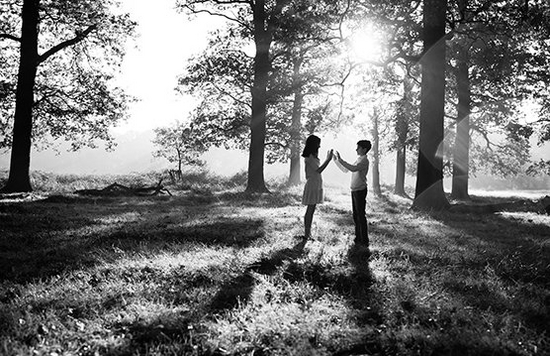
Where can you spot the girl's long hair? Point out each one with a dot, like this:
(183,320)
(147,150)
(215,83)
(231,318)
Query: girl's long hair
(312,146)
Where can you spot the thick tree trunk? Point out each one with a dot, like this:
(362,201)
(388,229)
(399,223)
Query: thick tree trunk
(429,183)
(19,180)
(262,39)
(296,126)
(462,141)
(376,155)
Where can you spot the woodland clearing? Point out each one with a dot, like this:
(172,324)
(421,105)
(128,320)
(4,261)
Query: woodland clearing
(213,271)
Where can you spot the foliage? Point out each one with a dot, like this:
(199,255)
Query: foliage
(507,51)
(304,59)
(75,95)
(180,144)
(222,78)
(541,167)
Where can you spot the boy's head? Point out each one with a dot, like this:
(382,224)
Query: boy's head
(364,145)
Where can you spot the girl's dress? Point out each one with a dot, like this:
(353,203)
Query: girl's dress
(313,190)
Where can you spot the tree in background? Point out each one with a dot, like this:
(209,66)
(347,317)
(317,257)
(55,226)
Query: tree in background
(405,130)
(307,65)
(259,19)
(179,144)
(536,17)
(300,87)
(65,90)
(491,64)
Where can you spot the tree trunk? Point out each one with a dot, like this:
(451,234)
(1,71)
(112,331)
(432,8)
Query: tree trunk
(400,164)
(296,126)
(19,179)
(462,141)
(262,39)
(461,155)
(376,155)
(429,193)
(402,131)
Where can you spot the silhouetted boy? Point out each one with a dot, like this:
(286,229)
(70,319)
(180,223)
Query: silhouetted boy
(359,171)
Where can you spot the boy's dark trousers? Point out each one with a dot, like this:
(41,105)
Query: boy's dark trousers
(359,202)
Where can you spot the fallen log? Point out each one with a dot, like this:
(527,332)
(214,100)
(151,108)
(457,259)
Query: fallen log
(116,189)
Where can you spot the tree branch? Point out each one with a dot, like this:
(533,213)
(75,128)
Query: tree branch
(79,37)
(212,13)
(9,37)
(274,143)
(233,97)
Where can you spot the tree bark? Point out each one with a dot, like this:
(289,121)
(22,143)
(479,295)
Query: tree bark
(262,39)
(462,142)
(429,193)
(376,155)
(461,155)
(400,164)
(296,126)
(402,130)
(19,179)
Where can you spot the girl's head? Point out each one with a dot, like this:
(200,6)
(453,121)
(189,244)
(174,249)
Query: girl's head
(312,146)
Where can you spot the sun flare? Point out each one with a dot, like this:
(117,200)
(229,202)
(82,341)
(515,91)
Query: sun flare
(366,44)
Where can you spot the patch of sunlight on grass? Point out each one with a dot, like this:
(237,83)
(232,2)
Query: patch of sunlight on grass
(528,217)
(119,218)
(381,269)
(192,258)
(288,317)
(523,194)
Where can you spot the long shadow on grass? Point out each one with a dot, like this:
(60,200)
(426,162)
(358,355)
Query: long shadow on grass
(352,280)
(512,249)
(60,234)
(518,253)
(238,289)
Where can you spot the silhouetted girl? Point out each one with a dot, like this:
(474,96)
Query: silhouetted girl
(313,190)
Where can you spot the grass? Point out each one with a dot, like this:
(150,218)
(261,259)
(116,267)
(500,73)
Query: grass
(212,271)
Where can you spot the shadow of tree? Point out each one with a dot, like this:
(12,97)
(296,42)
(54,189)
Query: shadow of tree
(58,234)
(517,258)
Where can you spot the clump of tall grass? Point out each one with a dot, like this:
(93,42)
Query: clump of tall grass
(66,183)
(206,181)
(199,181)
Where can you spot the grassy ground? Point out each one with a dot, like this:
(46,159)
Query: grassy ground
(211,271)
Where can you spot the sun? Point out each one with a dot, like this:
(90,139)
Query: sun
(366,44)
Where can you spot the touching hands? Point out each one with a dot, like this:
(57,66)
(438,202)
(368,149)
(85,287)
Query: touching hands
(336,155)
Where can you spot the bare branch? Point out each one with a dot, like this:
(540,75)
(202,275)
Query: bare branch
(233,97)
(212,13)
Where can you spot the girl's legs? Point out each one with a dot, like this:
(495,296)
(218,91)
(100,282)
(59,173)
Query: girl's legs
(308,220)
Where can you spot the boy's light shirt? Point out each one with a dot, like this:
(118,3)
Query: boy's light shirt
(359,177)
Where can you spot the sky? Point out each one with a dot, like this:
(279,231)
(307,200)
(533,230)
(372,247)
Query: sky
(166,39)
